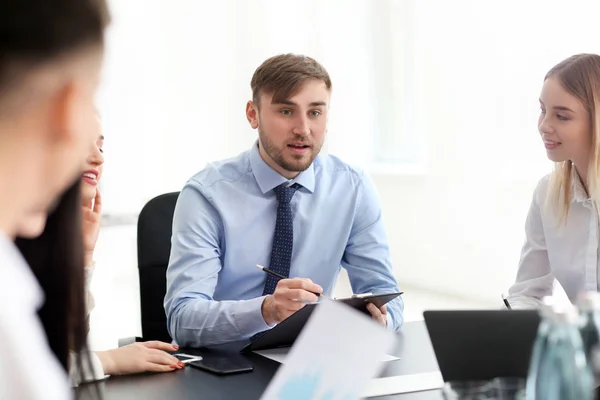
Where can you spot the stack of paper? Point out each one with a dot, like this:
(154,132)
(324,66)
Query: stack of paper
(338,352)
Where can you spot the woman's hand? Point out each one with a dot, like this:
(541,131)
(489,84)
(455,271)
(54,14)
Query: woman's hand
(139,357)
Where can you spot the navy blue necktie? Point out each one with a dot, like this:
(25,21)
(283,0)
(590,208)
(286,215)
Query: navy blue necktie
(283,239)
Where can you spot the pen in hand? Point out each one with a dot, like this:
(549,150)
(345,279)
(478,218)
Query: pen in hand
(506,303)
(278,275)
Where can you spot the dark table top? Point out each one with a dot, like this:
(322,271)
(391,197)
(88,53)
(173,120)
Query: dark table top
(413,348)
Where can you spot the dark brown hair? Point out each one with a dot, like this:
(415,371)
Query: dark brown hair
(56,259)
(283,74)
(35,32)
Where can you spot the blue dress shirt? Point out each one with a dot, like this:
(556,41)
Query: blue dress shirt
(223,226)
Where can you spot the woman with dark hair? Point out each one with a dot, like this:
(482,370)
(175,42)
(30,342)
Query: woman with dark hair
(44,246)
(59,248)
(50,60)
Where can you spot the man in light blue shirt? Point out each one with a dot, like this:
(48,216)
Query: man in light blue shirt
(281,205)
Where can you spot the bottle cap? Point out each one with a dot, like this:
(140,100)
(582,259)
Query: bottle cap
(567,313)
(588,301)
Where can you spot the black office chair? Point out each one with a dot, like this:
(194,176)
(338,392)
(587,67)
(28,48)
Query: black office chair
(153,249)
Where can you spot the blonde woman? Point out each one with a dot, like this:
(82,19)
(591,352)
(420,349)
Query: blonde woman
(562,224)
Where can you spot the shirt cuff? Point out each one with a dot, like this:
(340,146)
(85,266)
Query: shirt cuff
(250,320)
(88,274)
(89,299)
(389,321)
(96,373)
(523,303)
(98,369)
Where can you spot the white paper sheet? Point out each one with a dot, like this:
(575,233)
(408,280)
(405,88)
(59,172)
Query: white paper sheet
(336,355)
(280,355)
(404,384)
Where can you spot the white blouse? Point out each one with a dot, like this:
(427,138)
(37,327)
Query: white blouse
(567,251)
(28,368)
(77,376)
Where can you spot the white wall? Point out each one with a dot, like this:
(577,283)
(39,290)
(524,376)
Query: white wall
(476,68)
(479,67)
(178,73)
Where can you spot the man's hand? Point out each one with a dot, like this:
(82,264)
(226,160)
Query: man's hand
(139,357)
(289,297)
(91,217)
(378,314)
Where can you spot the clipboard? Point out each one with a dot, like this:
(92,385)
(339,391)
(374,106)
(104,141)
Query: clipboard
(285,333)
(360,301)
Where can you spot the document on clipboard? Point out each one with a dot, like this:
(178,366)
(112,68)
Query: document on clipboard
(285,333)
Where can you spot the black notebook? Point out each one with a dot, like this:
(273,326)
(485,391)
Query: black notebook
(285,333)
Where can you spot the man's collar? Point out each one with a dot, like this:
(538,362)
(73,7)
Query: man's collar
(267,178)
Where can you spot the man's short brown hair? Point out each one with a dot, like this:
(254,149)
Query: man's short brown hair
(283,74)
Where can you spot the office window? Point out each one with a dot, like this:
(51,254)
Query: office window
(176,82)
(367,47)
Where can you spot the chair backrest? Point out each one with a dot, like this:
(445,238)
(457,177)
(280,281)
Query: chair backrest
(154,246)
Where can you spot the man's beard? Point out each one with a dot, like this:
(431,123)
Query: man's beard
(277,154)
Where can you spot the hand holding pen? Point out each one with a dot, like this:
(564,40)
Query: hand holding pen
(505,301)
(290,296)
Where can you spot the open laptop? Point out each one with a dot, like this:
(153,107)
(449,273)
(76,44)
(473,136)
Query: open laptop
(482,344)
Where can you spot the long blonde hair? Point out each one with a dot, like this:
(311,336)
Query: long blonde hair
(580,76)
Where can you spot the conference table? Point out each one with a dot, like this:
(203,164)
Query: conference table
(413,347)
